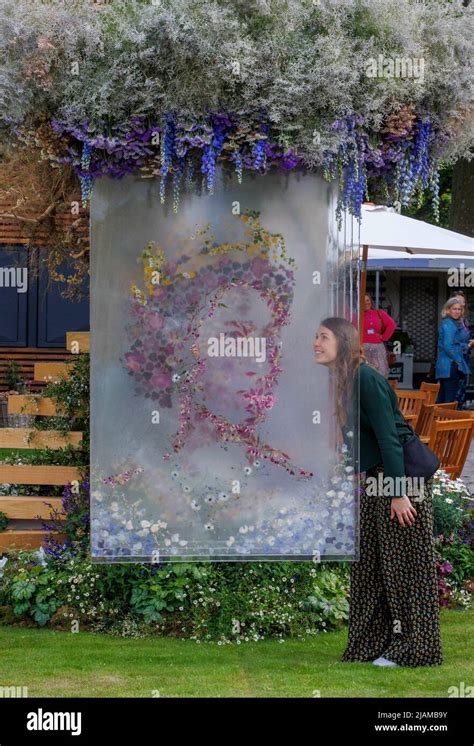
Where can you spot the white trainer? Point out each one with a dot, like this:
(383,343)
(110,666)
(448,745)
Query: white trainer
(383,662)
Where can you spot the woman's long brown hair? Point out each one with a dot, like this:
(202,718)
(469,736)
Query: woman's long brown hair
(349,356)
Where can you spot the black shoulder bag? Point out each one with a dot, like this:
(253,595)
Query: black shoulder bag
(420,461)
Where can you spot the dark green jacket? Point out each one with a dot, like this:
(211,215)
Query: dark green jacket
(382,426)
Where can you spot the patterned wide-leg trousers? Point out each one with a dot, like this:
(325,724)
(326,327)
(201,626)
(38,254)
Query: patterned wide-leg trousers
(393,603)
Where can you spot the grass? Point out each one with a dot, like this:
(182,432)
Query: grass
(62,664)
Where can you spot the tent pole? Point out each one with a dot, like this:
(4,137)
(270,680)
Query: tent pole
(363,285)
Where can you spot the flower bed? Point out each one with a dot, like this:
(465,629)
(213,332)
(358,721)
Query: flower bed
(224,602)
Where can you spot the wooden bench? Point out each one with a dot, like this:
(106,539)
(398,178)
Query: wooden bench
(32,508)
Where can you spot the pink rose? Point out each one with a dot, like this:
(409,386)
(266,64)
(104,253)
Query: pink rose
(134,361)
(161,379)
(259,267)
(155,321)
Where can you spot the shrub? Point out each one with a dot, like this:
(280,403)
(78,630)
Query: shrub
(227,602)
(451,502)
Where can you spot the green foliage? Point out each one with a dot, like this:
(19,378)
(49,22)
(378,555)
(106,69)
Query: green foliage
(423,209)
(451,501)
(13,375)
(229,602)
(3,521)
(32,593)
(67,456)
(71,396)
(460,557)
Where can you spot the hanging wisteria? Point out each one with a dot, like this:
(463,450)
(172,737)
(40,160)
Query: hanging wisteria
(401,160)
(398,162)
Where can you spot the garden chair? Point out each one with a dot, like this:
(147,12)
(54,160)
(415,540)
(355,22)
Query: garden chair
(450,439)
(410,403)
(433,389)
(427,416)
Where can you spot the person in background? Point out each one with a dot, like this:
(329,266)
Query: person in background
(394,617)
(464,319)
(453,349)
(378,328)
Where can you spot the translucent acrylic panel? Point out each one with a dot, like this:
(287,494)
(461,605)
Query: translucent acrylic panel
(213,427)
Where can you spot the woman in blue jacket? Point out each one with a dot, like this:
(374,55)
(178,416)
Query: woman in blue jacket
(464,319)
(453,345)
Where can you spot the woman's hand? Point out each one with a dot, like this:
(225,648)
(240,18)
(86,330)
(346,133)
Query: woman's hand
(402,508)
(471,342)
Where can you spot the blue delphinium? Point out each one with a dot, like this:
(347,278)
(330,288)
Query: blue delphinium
(166,153)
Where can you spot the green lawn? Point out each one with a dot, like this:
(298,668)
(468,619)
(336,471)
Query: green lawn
(54,663)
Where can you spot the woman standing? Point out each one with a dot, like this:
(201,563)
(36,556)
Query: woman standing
(464,319)
(453,349)
(394,608)
(378,328)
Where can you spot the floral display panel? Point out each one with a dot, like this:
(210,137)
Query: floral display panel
(213,428)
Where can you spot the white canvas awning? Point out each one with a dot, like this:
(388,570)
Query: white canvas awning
(382,228)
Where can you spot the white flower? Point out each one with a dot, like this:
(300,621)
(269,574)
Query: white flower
(41,557)
(186,488)
(247,470)
(176,378)
(195,505)
(155,527)
(145,524)
(209,499)
(129,525)
(243,529)
(3,562)
(448,500)
(209,527)
(223,496)
(114,507)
